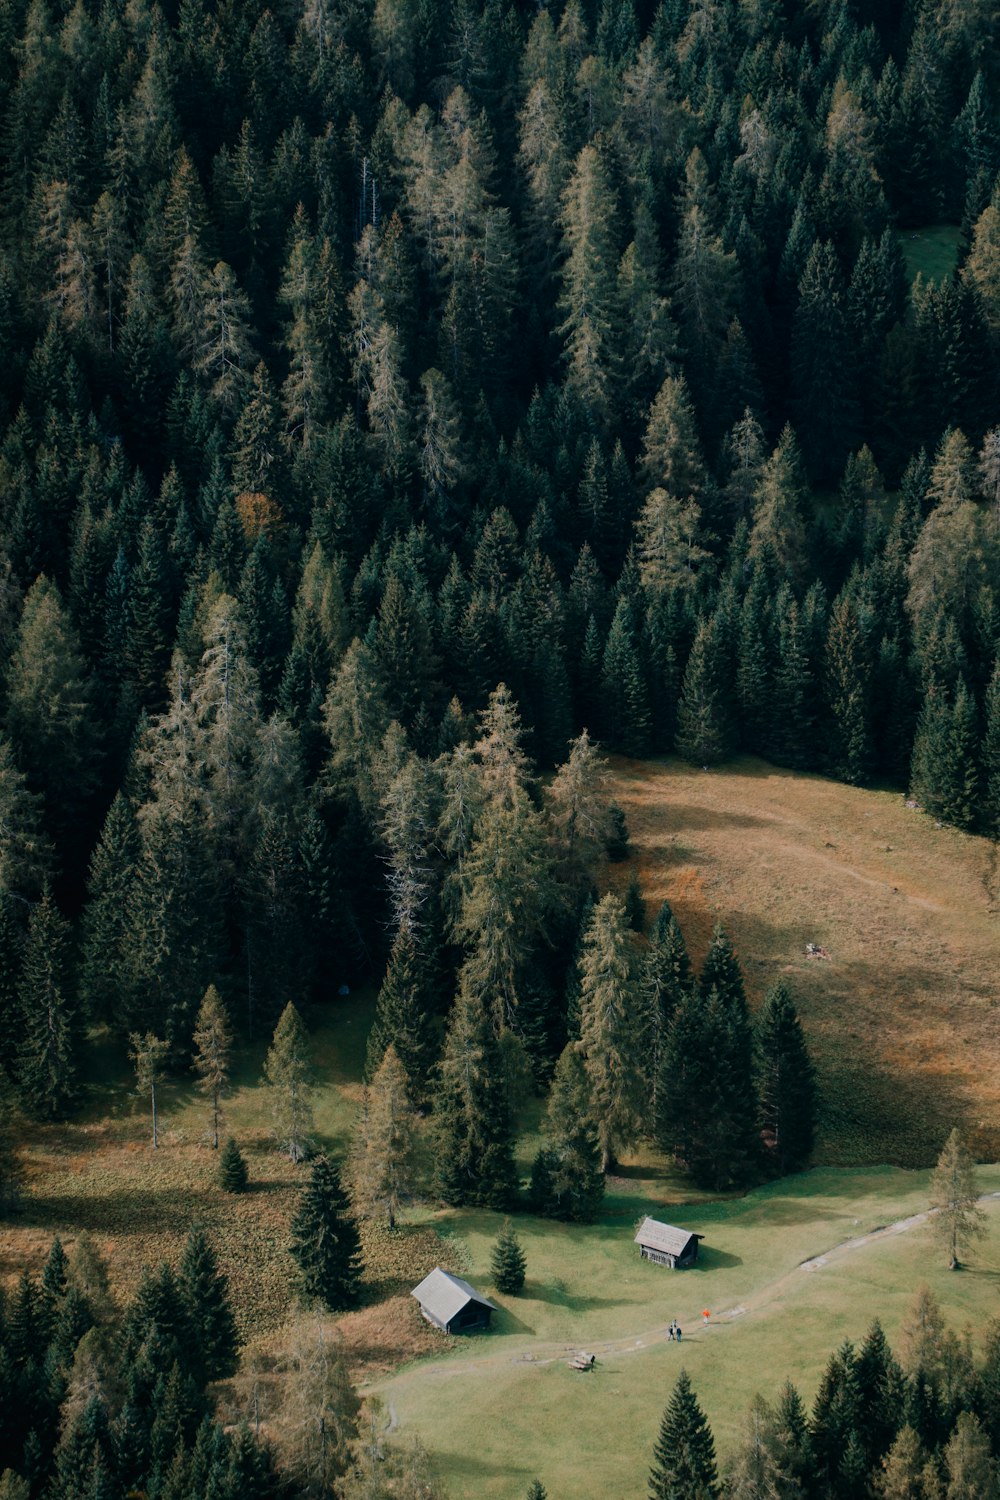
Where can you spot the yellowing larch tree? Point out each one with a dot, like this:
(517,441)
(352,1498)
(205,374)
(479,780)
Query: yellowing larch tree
(213,1044)
(383,1147)
(287,1072)
(958,1219)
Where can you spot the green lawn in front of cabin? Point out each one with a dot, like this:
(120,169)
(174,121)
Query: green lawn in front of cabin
(502,1408)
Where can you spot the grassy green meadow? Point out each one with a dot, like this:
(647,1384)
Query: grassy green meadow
(931,252)
(501,1408)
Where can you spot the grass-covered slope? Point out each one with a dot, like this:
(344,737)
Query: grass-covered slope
(902,1016)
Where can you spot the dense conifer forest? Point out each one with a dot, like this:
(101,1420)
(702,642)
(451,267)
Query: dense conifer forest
(402,403)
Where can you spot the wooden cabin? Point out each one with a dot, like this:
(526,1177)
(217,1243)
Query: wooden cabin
(451,1303)
(666,1245)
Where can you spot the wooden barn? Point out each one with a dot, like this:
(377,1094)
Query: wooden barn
(666,1245)
(451,1303)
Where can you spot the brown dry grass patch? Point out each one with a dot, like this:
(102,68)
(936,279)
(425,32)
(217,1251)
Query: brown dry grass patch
(903,1019)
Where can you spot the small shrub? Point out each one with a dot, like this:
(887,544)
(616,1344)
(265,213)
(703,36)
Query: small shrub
(507,1261)
(233,1176)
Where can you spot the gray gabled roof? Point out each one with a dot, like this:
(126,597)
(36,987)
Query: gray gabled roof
(664,1237)
(444,1295)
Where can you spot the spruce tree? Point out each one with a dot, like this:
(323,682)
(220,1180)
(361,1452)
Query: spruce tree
(474,1130)
(707,1107)
(507,1262)
(822,365)
(624,702)
(204,1295)
(608,1030)
(684,1453)
(881,1386)
(233,1176)
(46,1067)
(836,1414)
(704,722)
(786,1081)
(404,1014)
(325,1244)
(288,1074)
(721,971)
(848,675)
(105,958)
(664,978)
(567,1179)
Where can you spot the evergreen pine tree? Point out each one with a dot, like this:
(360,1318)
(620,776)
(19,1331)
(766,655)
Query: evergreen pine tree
(881,1386)
(822,365)
(704,726)
(473,1124)
(721,971)
(707,1107)
(105,959)
(507,1262)
(204,1295)
(684,1454)
(836,1413)
(635,906)
(404,1018)
(608,1030)
(46,1068)
(325,1244)
(665,977)
(786,1081)
(232,1175)
(567,1181)
(624,701)
(848,675)
(11,953)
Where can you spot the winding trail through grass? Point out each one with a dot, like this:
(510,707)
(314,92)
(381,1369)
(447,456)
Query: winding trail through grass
(549,1352)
